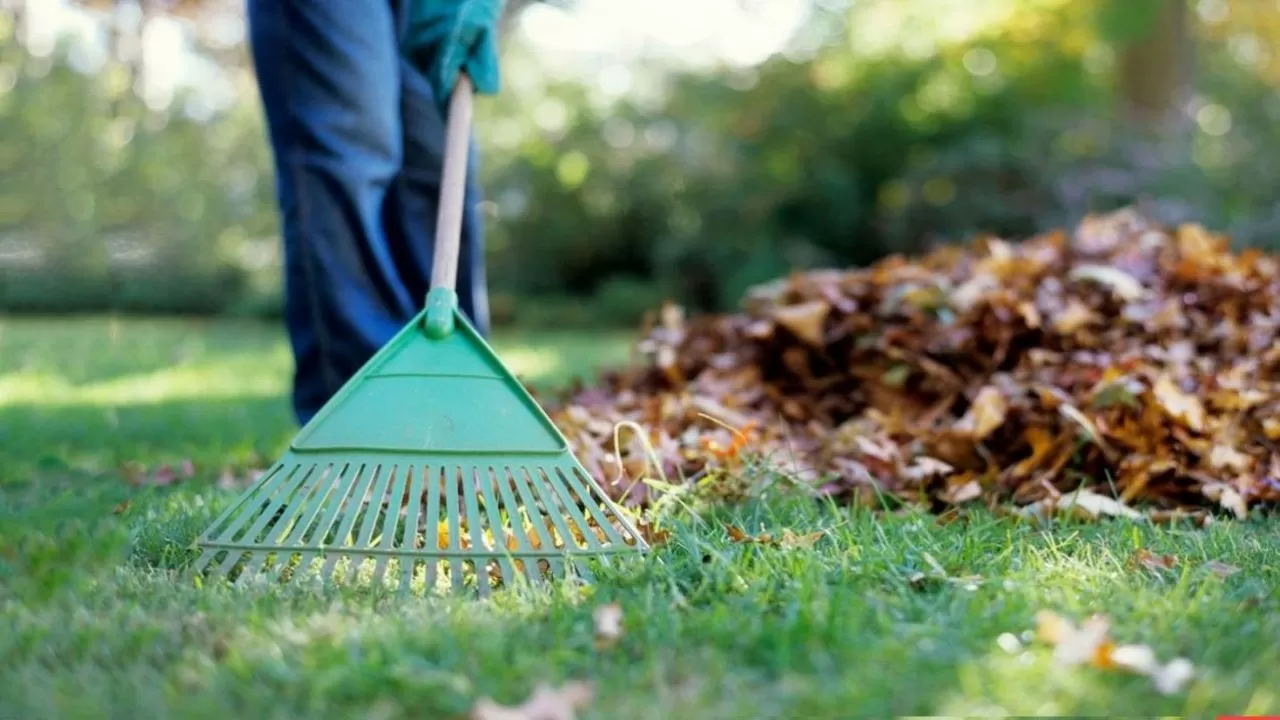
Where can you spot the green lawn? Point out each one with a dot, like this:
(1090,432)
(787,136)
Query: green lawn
(93,622)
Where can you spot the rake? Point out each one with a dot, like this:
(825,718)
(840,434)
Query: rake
(431,469)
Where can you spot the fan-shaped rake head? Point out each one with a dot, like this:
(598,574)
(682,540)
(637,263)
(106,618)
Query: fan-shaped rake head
(445,526)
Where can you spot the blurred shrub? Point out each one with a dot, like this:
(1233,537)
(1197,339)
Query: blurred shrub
(106,204)
(599,212)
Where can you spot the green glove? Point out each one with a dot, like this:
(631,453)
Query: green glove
(447,37)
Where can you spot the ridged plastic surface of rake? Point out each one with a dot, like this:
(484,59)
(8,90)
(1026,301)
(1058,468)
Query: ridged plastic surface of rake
(432,468)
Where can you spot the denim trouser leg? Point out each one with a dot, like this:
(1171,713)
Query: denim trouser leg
(358,141)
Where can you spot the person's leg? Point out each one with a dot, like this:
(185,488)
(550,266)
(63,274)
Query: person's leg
(414,199)
(329,78)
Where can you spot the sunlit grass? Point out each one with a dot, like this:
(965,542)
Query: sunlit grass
(97,621)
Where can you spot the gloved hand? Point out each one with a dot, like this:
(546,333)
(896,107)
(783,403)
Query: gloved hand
(446,37)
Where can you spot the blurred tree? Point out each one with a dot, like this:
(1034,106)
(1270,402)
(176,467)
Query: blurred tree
(1156,55)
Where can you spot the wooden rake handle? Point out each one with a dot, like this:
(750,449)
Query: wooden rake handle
(442,299)
(453,185)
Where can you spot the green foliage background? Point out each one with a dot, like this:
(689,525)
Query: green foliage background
(833,157)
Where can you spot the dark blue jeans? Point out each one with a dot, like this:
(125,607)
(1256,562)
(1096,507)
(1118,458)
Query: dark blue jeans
(358,141)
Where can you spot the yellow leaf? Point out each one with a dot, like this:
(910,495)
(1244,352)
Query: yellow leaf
(1225,457)
(1182,407)
(1091,644)
(987,413)
(1271,428)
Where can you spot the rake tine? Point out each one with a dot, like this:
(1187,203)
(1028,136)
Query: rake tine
(284,519)
(432,527)
(548,501)
(286,489)
(512,507)
(536,520)
(364,479)
(267,485)
(470,478)
(323,486)
(336,501)
(567,503)
(452,488)
(408,564)
(389,523)
(488,497)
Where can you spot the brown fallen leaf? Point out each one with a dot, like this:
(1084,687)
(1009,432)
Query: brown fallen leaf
(1074,316)
(1114,340)
(1180,406)
(1149,560)
(791,540)
(546,703)
(738,536)
(788,540)
(1225,457)
(987,413)
(959,494)
(804,320)
(653,535)
(1082,504)
(1227,497)
(1221,569)
(926,468)
(608,625)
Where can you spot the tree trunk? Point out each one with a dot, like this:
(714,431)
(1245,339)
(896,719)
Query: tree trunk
(1155,68)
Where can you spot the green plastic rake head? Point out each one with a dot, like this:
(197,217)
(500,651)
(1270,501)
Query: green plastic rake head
(431,469)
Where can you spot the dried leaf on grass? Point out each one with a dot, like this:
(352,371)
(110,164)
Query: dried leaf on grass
(607,620)
(788,539)
(1151,561)
(162,476)
(1221,569)
(938,574)
(1090,644)
(546,703)
(1081,504)
(1137,360)
(229,479)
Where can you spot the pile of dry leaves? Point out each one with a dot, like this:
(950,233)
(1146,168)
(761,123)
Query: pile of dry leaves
(1136,361)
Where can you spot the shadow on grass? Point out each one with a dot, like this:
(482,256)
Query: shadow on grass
(41,441)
